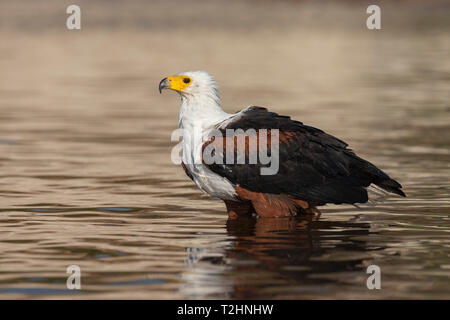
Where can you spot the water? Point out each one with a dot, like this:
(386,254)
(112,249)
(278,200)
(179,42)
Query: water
(85,170)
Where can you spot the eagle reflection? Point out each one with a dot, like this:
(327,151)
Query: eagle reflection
(275,257)
(292,241)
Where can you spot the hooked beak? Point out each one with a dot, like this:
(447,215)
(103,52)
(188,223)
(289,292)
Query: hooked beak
(164,84)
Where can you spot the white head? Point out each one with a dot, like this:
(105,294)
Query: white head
(193,86)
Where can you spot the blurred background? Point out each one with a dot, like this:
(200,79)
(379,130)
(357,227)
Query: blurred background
(85,170)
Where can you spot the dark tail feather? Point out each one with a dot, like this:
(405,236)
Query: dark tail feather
(392,186)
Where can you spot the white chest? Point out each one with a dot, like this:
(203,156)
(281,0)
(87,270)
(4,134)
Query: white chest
(208,181)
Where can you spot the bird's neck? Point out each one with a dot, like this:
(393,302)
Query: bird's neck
(201,111)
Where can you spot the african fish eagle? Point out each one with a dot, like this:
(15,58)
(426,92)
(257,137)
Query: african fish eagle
(314,167)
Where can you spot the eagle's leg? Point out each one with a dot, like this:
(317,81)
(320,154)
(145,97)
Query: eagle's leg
(238,208)
(312,211)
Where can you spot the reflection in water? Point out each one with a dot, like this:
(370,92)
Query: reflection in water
(292,241)
(290,251)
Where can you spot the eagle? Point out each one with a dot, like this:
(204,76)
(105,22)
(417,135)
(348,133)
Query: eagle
(312,168)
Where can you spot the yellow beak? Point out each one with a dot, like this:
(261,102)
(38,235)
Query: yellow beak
(177,83)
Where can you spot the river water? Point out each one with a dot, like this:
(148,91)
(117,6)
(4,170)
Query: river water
(86,177)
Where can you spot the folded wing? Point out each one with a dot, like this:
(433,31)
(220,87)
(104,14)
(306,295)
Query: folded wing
(313,165)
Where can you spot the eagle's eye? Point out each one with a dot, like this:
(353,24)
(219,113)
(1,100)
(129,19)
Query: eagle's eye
(186,80)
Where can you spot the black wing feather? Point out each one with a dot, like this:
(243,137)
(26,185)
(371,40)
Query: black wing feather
(313,165)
